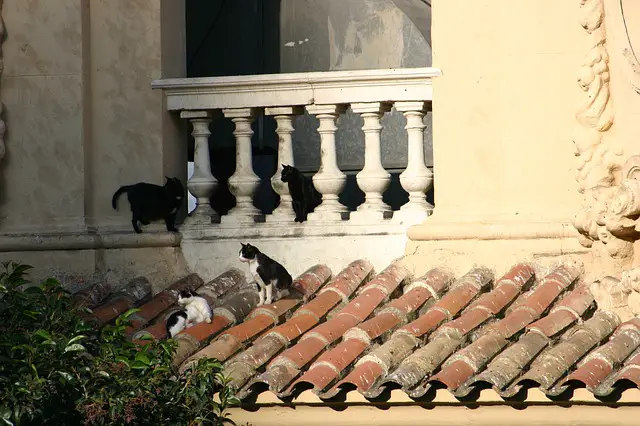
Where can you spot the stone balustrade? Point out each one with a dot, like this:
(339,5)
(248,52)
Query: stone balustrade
(327,95)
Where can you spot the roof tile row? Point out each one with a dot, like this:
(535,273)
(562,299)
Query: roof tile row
(376,333)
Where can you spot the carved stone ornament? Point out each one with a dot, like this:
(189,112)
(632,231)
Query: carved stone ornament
(619,295)
(599,159)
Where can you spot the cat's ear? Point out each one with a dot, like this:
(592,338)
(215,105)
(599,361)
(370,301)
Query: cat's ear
(167,178)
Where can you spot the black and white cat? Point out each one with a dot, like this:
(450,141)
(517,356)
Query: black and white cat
(195,310)
(176,322)
(152,202)
(270,276)
(297,189)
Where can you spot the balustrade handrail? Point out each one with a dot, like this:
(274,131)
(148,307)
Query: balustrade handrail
(274,90)
(326,95)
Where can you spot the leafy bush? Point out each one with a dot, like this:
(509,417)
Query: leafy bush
(56,368)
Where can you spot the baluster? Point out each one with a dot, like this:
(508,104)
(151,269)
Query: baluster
(284,119)
(244,182)
(417,178)
(329,181)
(373,179)
(202,183)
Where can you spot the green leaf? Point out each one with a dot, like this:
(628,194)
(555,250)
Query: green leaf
(103,373)
(68,377)
(76,347)
(142,358)
(44,334)
(137,365)
(146,336)
(76,339)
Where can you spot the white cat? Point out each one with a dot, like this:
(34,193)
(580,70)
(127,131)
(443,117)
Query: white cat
(196,307)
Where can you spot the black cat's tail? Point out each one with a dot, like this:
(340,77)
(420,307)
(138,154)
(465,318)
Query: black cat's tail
(118,193)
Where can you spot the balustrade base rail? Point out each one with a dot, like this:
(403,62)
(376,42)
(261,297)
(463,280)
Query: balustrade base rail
(326,95)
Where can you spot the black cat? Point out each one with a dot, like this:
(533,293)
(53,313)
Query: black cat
(153,202)
(267,273)
(297,189)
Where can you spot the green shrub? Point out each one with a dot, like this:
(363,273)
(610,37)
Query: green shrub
(56,368)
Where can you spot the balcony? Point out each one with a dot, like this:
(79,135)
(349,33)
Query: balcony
(326,95)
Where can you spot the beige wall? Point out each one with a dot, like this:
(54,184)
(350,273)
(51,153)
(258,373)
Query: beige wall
(503,120)
(623,33)
(133,139)
(503,108)
(409,415)
(42,89)
(78,98)
(82,120)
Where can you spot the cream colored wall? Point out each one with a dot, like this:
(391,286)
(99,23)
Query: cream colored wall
(78,99)
(131,138)
(623,36)
(504,164)
(503,108)
(82,120)
(409,415)
(42,184)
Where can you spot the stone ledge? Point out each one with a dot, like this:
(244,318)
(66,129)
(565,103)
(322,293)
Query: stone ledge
(292,230)
(439,231)
(63,241)
(332,87)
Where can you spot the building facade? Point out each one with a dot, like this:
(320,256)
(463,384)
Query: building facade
(520,133)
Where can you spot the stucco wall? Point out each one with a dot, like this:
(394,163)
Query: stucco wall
(505,107)
(622,22)
(77,93)
(42,89)
(504,116)
(82,119)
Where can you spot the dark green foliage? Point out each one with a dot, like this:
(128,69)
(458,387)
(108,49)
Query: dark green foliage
(57,369)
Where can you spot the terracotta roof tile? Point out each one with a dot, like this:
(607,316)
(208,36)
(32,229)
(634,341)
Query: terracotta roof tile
(136,292)
(553,363)
(243,367)
(601,362)
(628,374)
(92,296)
(510,363)
(372,335)
(229,281)
(356,340)
(402,342)
(263,317)
(161,301)
(449,337)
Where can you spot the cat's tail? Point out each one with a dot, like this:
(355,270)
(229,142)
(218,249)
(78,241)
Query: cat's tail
(118,193)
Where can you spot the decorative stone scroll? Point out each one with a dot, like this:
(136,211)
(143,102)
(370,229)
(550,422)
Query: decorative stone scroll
(598,159)
(619,295)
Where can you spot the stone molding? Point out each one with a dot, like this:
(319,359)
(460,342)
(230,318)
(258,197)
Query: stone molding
(477,230)
(291,230)
(598,159)
(285,90)
(66,241)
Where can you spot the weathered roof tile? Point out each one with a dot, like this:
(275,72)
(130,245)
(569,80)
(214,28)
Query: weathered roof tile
(339,289)
(355,332)
(136,292)
(601,362)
